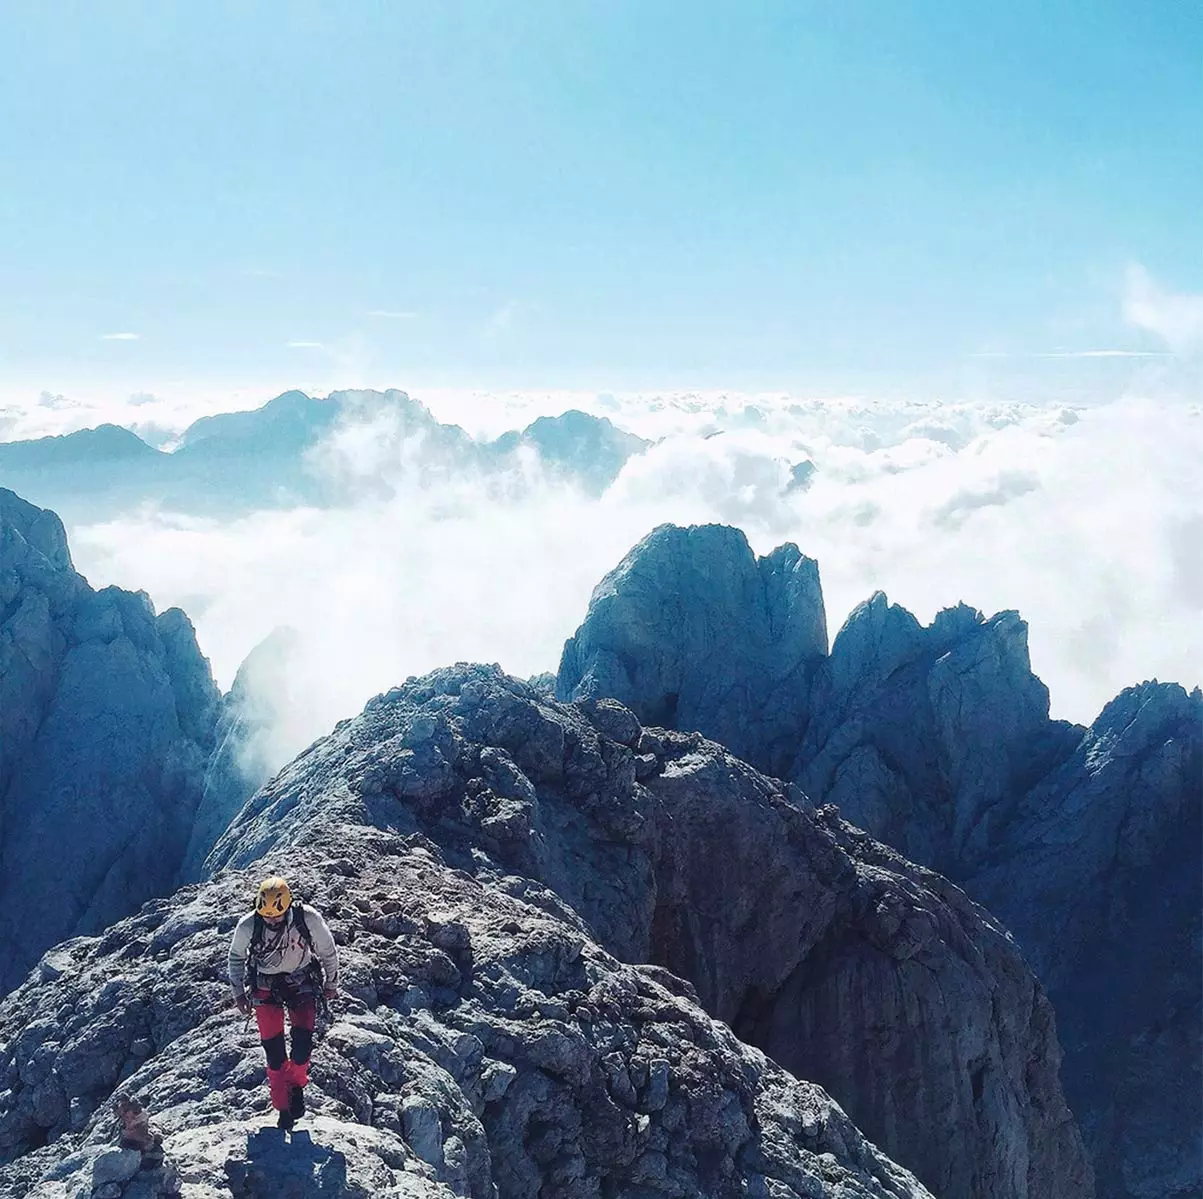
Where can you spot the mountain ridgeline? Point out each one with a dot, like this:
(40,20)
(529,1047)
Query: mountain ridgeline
(573,927)
(286,454)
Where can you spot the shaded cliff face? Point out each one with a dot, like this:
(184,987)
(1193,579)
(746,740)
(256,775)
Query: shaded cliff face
(846,963)
(927,736)
(1083,842)
(106,721)
(1110,843)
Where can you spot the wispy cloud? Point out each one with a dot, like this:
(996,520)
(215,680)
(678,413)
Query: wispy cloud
(120,336)
(501,320)
(1073,354)
(390,314)
(1104,354)
(1175,317)
(304,345)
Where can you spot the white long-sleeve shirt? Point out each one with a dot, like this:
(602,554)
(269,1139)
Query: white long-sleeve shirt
(282,949)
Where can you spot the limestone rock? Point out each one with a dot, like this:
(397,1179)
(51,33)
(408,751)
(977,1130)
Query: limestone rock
(115,1165)
(106,722)
(1110,843)
(925,736)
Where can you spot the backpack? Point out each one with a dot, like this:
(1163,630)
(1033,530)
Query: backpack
(260,930)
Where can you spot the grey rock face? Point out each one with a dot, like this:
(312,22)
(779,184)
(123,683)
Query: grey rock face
(106,719)
(1085,843)
(937,740)
(486,1045)
(847,964)
(691,630)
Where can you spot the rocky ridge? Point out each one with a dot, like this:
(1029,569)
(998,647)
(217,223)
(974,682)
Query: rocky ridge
(488,858)
(107,713)
(487,1045)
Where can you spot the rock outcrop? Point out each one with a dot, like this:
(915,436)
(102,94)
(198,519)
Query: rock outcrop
(937,740)
(486,1046)
(693,631)
(106,722)
(927,737)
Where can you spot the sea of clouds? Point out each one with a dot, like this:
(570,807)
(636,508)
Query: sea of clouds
(1088,520)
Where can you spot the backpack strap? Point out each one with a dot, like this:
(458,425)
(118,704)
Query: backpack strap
(252,953)
(299,920)
(260,931)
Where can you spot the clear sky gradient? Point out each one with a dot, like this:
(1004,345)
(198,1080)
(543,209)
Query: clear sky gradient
(833,195)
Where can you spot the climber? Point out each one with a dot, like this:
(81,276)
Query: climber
(283,956)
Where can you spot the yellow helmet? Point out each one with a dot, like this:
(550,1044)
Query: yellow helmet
(273,898)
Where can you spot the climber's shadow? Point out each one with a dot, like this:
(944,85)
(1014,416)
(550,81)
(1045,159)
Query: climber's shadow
(282,1165)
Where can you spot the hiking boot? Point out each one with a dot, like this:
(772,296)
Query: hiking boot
(285,1121)
(296,1104)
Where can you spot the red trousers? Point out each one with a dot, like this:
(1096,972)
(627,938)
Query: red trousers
(285,1071)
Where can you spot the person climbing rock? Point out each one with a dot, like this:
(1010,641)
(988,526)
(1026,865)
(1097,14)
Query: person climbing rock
(283,957)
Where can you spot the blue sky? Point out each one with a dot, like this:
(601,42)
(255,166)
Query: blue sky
(824,196)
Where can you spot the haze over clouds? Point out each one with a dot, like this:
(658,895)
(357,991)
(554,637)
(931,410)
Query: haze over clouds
(1088,522)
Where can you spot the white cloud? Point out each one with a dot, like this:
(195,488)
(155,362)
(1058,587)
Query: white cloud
(120,336)
(1084,520)
(1175,317)
(1073,354)
(56,402)
(304,345)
